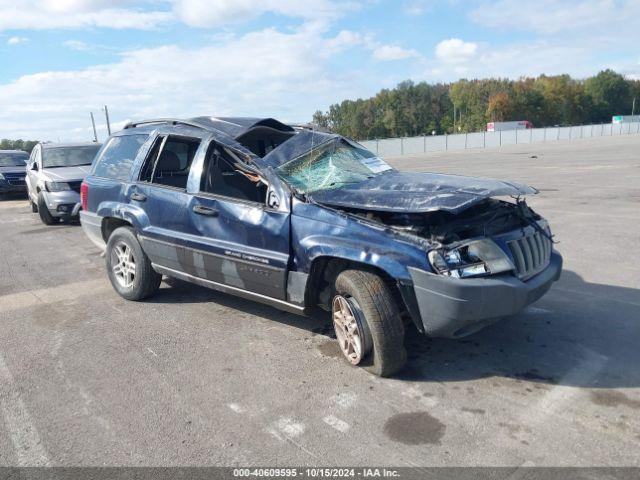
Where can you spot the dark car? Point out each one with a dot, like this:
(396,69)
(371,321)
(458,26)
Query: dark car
(12,171)
(297,218)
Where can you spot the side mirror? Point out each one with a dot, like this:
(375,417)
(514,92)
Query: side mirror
(272,200)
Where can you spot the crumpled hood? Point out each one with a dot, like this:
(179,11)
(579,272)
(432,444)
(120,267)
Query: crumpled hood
(66,174)
(419,192)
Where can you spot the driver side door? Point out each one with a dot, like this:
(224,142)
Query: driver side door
(238,240)
(31,178)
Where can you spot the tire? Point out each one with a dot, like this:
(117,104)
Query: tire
(43,211)
(378,314)
(34,207)
(145,281)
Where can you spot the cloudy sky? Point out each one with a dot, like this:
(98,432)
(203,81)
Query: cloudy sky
(61,59)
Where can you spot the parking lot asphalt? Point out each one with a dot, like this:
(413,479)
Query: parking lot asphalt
(196,377)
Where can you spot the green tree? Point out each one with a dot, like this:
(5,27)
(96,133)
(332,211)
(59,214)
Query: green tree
(610,93)
(499,107)
(420,108)
(26,145)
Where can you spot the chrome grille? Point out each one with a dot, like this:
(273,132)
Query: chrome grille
(531,254)
(14,178)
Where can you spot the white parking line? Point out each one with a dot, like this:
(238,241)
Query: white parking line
(289,428)
(336,423)
(578,377)
(68,291)
(24,436)
(235,407)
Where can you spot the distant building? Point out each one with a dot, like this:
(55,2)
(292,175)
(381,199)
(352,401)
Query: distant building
(625,118)
(517,125)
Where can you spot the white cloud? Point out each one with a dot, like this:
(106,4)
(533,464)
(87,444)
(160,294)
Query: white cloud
(393,52)
(558,16)
(77,45)
(213,13)
(455,50)
(528,59)
(349,39)
(17,40)
(264,72)
(346,39)
(417,7)
(48,14)
(149,14)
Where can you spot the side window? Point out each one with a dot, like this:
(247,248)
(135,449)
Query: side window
(32,157)
(37,156)
(169,161)
(117,157)
(223,178)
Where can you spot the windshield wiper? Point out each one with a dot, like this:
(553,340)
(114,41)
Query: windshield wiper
(67,166)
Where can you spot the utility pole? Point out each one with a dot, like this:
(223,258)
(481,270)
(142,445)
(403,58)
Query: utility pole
(106,114)
(633,107)
(93,123)
(454,118)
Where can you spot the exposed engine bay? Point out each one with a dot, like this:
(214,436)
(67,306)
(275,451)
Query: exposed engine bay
(487,218)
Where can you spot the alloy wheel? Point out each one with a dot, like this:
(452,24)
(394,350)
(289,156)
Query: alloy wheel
(351,333)
(123,265)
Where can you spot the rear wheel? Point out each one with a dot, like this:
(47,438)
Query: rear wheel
(43,211)
(367,323)
(129,268)
(34,207)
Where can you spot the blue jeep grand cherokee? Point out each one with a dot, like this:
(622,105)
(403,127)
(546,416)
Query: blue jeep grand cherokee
(297,218)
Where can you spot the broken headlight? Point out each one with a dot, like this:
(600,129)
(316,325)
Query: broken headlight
(472,259)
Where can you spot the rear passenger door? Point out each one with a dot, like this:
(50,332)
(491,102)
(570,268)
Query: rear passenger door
(161,191)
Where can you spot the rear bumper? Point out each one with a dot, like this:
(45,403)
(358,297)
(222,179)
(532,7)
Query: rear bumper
(62,204)
(451,307)
(92,227)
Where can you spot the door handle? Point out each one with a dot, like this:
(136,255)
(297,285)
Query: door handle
(138,197)
(209,212)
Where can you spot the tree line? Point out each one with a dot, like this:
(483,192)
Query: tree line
(26,145)
(422,108)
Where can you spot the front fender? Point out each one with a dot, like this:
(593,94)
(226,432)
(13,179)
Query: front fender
(40,184)
(393,263)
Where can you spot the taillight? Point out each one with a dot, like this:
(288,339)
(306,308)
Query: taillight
(84,196)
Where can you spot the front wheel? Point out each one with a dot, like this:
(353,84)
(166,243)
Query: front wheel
(129,268)
(367,323)
(43,211)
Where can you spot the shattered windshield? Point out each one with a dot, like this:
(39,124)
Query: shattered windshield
(331,165)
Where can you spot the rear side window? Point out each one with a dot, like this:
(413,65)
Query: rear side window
(169,161)
(118,155)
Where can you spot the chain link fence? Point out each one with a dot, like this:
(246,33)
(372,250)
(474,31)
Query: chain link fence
(435,143)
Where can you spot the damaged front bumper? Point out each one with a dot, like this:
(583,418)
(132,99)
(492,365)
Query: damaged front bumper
(452,307)
(65,204)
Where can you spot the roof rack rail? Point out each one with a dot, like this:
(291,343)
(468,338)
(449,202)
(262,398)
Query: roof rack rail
(173,121)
